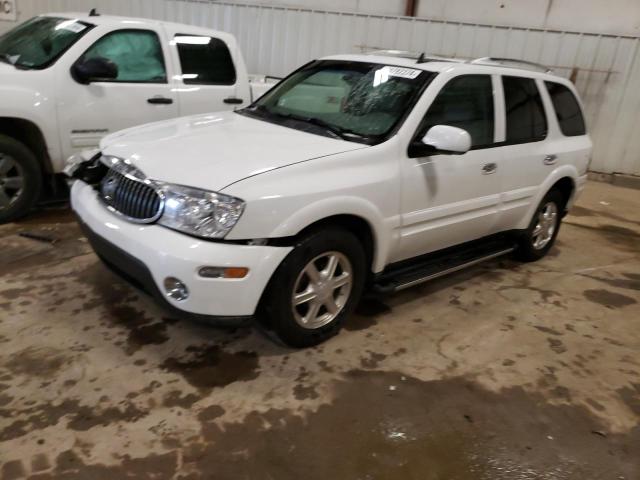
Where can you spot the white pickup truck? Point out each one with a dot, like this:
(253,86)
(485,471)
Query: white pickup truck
(67,80)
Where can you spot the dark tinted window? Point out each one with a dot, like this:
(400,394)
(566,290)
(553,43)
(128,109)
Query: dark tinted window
(465,102)
(526,121)
(567,109)
(205,61)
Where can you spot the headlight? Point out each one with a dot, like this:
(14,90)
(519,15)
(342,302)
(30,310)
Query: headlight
(199,212)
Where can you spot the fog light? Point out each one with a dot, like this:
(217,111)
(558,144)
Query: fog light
(176,289)
(223,272)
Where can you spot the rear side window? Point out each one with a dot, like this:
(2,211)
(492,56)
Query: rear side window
(465,102)
(567,109)
(205,60)
(526,120)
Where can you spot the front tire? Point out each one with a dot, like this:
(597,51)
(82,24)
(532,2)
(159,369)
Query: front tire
(538,239)
(20,179)
(317,286)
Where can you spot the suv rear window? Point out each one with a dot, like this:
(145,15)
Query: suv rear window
(205,60)
(567,109)
(526,120)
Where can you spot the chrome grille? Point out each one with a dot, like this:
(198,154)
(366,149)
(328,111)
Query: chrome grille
(131,197)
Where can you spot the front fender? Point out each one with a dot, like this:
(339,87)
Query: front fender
(342,205)
(37,107)
(363,183)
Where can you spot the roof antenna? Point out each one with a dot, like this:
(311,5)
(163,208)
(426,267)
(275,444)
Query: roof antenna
(421,58)
(94,13)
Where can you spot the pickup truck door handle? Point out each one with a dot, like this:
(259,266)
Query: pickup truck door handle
(160,100)
(489,168)
(233,100)
(550,159)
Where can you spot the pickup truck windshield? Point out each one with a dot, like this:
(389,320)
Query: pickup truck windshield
(39,42)
(356,101)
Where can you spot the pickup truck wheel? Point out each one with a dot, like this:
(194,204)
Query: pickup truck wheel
(316,287)
(543,230)
(20,179)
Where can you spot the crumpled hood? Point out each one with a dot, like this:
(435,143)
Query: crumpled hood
(212,151)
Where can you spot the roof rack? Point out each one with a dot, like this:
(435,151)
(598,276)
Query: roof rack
(511,63)
(418,57)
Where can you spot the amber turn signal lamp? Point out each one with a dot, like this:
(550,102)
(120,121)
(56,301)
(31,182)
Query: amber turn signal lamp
(223,272)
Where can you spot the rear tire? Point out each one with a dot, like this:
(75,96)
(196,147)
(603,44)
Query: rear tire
(20,179)
(538,239)
(316,287)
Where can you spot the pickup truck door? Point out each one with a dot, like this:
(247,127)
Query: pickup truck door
(451,199)
(210,74)
(140,94)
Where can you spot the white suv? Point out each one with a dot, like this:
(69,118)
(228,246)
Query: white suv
(356,171)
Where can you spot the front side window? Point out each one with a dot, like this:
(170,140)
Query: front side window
(465,102)
(39,42)
(357,101)
(205,61)
(137,54)
(526,120)
(567,109)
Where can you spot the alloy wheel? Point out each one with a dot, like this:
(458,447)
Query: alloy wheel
(11,181)
(322,290)
(546,226)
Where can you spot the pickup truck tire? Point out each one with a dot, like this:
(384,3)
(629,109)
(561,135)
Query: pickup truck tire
(538,239)
(316,287)
(20,179)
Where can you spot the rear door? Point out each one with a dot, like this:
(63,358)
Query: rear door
(527,156)
(207,78)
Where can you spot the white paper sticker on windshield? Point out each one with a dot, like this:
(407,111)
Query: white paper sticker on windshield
(403,72)
(72,26)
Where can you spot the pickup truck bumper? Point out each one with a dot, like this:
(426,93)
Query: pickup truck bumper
(145,255)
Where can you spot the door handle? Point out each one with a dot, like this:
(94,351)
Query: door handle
(233,100)
(489,168)
(160,101)
(550,159)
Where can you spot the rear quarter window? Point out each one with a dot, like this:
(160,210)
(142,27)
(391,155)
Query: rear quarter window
(567,110)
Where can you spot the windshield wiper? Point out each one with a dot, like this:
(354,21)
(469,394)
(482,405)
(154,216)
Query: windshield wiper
(337,131)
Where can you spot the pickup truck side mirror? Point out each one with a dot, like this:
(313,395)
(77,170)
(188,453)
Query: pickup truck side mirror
(94,70)
(439,140)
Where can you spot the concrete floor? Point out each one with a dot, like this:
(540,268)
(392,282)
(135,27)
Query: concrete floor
(505,371)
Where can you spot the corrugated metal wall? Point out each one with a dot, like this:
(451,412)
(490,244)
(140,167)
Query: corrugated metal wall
(275,40)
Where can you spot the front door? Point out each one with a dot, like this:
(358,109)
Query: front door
(140,94)
(451,199)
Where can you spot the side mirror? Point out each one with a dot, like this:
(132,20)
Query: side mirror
(94,70)
(441,139)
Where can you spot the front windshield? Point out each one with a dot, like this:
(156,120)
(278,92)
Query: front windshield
(356,101)
(39,42)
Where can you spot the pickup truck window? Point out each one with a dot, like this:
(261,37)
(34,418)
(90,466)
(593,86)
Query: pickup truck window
(39,42)
(526,120)
(357,101)
(567,109)
(137,53)
(205,60)
(465,102)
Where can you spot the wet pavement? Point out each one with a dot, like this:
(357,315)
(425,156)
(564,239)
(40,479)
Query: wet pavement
(504,371)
